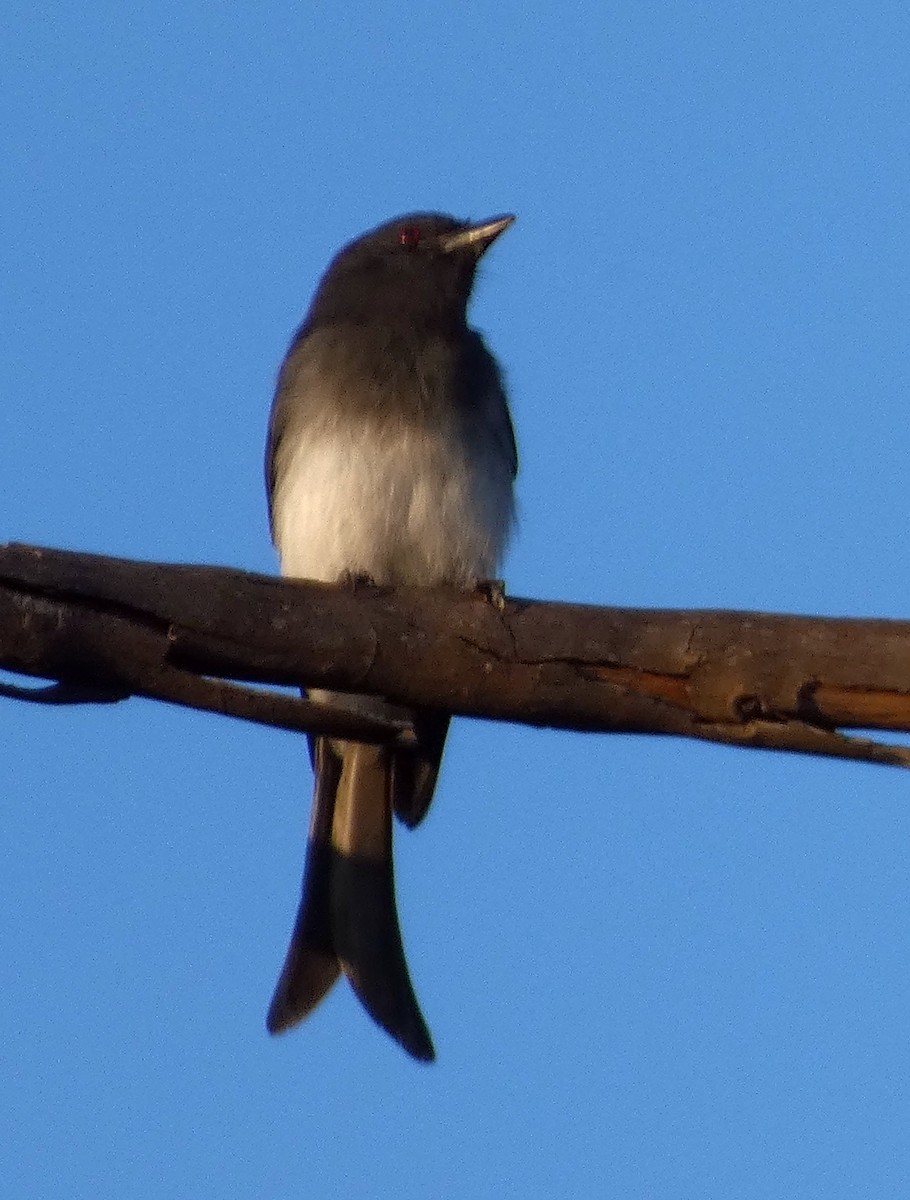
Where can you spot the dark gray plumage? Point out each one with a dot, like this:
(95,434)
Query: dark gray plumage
(390,455)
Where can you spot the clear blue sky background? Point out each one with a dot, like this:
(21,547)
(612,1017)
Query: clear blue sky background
(652,968)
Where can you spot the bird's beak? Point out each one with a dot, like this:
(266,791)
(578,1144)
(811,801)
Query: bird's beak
(476,237)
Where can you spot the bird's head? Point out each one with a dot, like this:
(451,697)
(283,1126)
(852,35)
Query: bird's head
(419,266)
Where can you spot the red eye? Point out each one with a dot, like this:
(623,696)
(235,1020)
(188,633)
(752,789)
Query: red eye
(409,237)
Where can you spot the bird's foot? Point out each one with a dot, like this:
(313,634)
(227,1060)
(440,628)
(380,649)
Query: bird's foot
(493,591)
(352,580)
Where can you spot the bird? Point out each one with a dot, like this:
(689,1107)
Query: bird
(390,458)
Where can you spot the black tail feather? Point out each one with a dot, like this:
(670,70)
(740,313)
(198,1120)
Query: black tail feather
(348,919)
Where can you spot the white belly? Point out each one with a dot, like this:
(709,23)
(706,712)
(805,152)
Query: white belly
(407,508)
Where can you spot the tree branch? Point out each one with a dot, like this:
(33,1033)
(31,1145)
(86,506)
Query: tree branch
(107,628)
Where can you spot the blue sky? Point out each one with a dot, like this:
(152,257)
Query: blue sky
(652,968)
